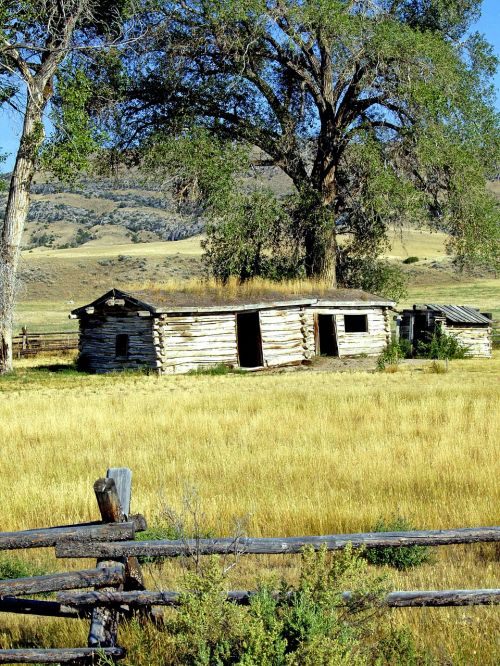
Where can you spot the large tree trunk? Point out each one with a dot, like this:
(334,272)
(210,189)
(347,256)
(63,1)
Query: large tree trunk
(16,213)
(320,238)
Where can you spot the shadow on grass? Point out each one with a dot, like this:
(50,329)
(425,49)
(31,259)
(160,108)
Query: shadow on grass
(59,368)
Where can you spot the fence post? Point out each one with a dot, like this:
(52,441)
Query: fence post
(113,497)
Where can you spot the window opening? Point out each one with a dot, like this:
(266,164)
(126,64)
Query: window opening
(356,323)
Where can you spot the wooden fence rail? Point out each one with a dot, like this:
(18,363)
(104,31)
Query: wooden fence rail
(84,601)
(118,583)
(277,546)
(30,344)
(49,536)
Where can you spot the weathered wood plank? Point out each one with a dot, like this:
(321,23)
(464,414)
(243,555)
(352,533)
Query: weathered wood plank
(48,537)
(413,599)
(122,477)
(108,500)
(59,656)
(113,495)
(438,598)
(64,581)
(276,546)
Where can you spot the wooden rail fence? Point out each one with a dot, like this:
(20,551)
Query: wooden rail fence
(118,584)
(31,344)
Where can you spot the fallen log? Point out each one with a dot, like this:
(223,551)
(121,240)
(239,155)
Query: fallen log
(277,546)
(49,536)
(58,656)
(417,598)
(69,580)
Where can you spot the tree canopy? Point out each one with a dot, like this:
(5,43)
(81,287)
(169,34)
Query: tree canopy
(380,112)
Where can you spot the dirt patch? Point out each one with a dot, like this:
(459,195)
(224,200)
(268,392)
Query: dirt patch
(331,364)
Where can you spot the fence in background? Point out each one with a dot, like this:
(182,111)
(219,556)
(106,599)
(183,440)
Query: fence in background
(31,344)
(119,584)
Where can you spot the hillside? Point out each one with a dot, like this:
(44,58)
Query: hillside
(103,233)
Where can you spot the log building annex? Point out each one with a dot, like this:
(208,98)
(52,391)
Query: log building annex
(182,331)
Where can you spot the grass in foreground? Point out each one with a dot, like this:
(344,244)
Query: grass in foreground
(300,453)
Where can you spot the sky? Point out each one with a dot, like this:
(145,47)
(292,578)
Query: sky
(489,25)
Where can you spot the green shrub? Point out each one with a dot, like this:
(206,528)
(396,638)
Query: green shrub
(15,567)
(395,351)
(308,624)
(442,346)
(411,260)
(404,557)
(438,368)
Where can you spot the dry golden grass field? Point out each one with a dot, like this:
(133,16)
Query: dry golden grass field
(292,453)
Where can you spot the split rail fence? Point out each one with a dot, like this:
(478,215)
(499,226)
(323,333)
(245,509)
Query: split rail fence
(31,344)
(118,582)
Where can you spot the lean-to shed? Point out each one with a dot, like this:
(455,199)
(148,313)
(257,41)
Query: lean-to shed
(471,327)
(174,332)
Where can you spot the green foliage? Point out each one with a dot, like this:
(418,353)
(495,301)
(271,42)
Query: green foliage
(402,128)
(307,625)
(442,346)
(411,260)
(405,557)
(15,567)
(395,351)
(371,274)
(201,170)
(74,139)
(252,238)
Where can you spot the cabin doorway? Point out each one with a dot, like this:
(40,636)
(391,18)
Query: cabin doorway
(327,336)
(249,340)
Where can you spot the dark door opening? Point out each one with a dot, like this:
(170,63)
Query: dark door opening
(327,336)
(249,339)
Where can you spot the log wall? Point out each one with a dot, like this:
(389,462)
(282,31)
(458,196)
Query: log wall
(284,336)
(191,342)
(175,343)
(371,343)
(97,343)
(476,339)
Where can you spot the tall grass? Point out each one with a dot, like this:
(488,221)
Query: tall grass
(300,453)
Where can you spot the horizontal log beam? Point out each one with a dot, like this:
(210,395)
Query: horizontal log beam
(42,608)
(70,580)
(277,546)
(58,656)
(48,536)
(443,598)
(414,599)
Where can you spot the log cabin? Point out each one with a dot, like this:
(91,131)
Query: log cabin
(468,325)
(176,332)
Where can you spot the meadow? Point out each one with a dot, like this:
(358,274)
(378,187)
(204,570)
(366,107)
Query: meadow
(282,454)
(275,453)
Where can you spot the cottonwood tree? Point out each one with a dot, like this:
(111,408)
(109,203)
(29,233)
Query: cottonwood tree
(37,37)
(380,112)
